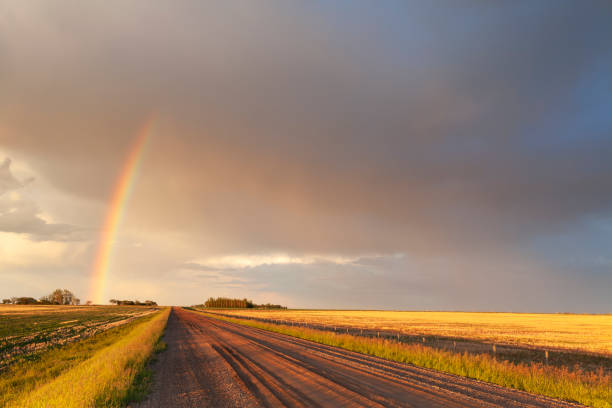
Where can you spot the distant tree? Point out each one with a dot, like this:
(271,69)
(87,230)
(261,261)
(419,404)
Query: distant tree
(26,301)
(77,301)
(61,297)
(227,303)
(67,297)
(56,297)
(6,301)
(89,303)
(271,306)
(45,300)
(133,302)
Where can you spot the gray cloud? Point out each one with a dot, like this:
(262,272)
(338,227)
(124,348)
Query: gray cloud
(22,216)
(8,182)
(463,131)
(406,282)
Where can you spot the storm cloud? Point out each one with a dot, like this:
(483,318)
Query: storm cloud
(472,139)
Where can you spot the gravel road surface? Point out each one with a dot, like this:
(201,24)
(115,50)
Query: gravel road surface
(211,363)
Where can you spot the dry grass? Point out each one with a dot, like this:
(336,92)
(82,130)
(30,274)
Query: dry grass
(590,333)
(586,388)
(109,371)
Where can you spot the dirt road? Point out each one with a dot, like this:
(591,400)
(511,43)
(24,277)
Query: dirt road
(218,364)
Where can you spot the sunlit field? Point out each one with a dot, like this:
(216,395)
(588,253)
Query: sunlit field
(590,333)
(592,389)
(25,330)
(105,369)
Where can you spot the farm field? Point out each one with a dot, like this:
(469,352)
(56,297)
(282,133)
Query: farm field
(573,332)
(25,330)
(105,369)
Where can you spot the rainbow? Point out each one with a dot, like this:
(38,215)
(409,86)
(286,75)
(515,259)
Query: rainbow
(116,210)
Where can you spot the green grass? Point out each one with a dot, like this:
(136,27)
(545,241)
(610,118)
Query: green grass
(109,369)
(593,389)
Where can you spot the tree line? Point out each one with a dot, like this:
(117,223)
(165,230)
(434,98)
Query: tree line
(133,302)
(229,303)
(66,297)
(57,297)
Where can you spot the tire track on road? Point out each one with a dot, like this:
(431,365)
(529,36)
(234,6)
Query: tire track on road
(412,375)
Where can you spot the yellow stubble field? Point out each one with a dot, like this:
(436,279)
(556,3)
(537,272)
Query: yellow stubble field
(590,333)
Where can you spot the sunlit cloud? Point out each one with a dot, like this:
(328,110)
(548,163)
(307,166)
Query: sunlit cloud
(251,261)
(18,250)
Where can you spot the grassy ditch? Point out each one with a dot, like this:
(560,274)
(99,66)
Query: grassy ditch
(593,389)
(108,370)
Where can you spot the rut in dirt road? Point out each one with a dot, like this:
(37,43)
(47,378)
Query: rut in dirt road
(211,363)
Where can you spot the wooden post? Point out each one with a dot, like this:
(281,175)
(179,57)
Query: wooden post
(494,349)
(423,340)
(454,344)
(546,355)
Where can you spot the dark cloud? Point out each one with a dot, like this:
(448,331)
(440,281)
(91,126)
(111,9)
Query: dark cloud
(464,130)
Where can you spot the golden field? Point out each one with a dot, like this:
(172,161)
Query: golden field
(590,333)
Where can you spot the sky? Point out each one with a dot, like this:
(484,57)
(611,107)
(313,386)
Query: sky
(415,155)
